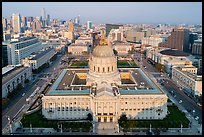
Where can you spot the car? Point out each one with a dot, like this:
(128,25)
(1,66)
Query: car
(23,94)
(196,118)
(180,101)
(199,104)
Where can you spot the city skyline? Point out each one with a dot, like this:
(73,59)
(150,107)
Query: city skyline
(126,12)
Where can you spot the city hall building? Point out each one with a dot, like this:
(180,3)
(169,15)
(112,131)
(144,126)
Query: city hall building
(104,91)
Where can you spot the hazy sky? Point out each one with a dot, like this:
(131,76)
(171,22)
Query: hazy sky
(111,12)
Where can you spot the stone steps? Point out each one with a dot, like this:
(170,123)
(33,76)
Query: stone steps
(106,128)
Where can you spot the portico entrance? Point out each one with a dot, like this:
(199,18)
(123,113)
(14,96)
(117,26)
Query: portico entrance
(106,119)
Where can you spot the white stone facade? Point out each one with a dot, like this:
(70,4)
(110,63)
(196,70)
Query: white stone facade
(18,76)
(187,78)
(105,108)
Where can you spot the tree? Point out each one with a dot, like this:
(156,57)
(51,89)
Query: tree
(84,52)
(89,117)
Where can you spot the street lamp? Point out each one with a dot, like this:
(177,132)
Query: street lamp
(10,123)
(193,112)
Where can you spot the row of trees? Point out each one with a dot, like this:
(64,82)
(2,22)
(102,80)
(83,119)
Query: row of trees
(39,121)
(45,65)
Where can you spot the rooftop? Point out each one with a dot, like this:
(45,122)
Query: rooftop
(191,75)
(7,69)
(13,73)
(42,54)
(173,52)
(64,84)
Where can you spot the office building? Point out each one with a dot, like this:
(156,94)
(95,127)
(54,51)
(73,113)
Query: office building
(24,21)
(116,35)
(43,14)
(122,48)
(111,26)
(24,47)
(197,47)
(187,78)
(36,26)
(39,59)
(4,24)
(153,40)
(179,39)
(16,23)
(78,49)
(89,25)
(6,54)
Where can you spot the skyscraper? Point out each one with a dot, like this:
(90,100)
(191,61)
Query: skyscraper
(78,19)
(36,26)
(4,23)
(70,26)
(89,25)
(24,21)
(48,19)
(16,23)
(43,14)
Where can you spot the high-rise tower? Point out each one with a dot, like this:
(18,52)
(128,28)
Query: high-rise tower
(16,23)
(70,26)
(43,14)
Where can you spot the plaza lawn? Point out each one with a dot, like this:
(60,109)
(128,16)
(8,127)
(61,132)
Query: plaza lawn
(37,121)
(79,64)
(126,64)
(173,120)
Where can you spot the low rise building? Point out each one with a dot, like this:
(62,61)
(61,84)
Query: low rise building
(78,49)
(84,40)
(187,78)
(171,62)
(39,59)
(152,40)
(122,47)
(12,76)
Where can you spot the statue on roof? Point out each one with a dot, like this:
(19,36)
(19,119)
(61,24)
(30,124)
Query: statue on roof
(103,40)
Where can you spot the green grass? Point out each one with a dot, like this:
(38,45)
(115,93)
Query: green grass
(173,120)
(79,64)
(124,63)
(37,121)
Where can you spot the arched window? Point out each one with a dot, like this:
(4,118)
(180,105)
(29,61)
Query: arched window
(103,69)
(94,68)
(108,69)
(98,69)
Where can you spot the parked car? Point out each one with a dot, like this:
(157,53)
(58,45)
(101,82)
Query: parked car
(196,118)
(23,94)
(180,101)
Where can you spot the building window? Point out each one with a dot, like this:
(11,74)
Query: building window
(103,69)
(108,69)
(94,68)
(98,69)
(112,68)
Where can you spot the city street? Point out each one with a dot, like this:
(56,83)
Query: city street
(169,86)
(18,103)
